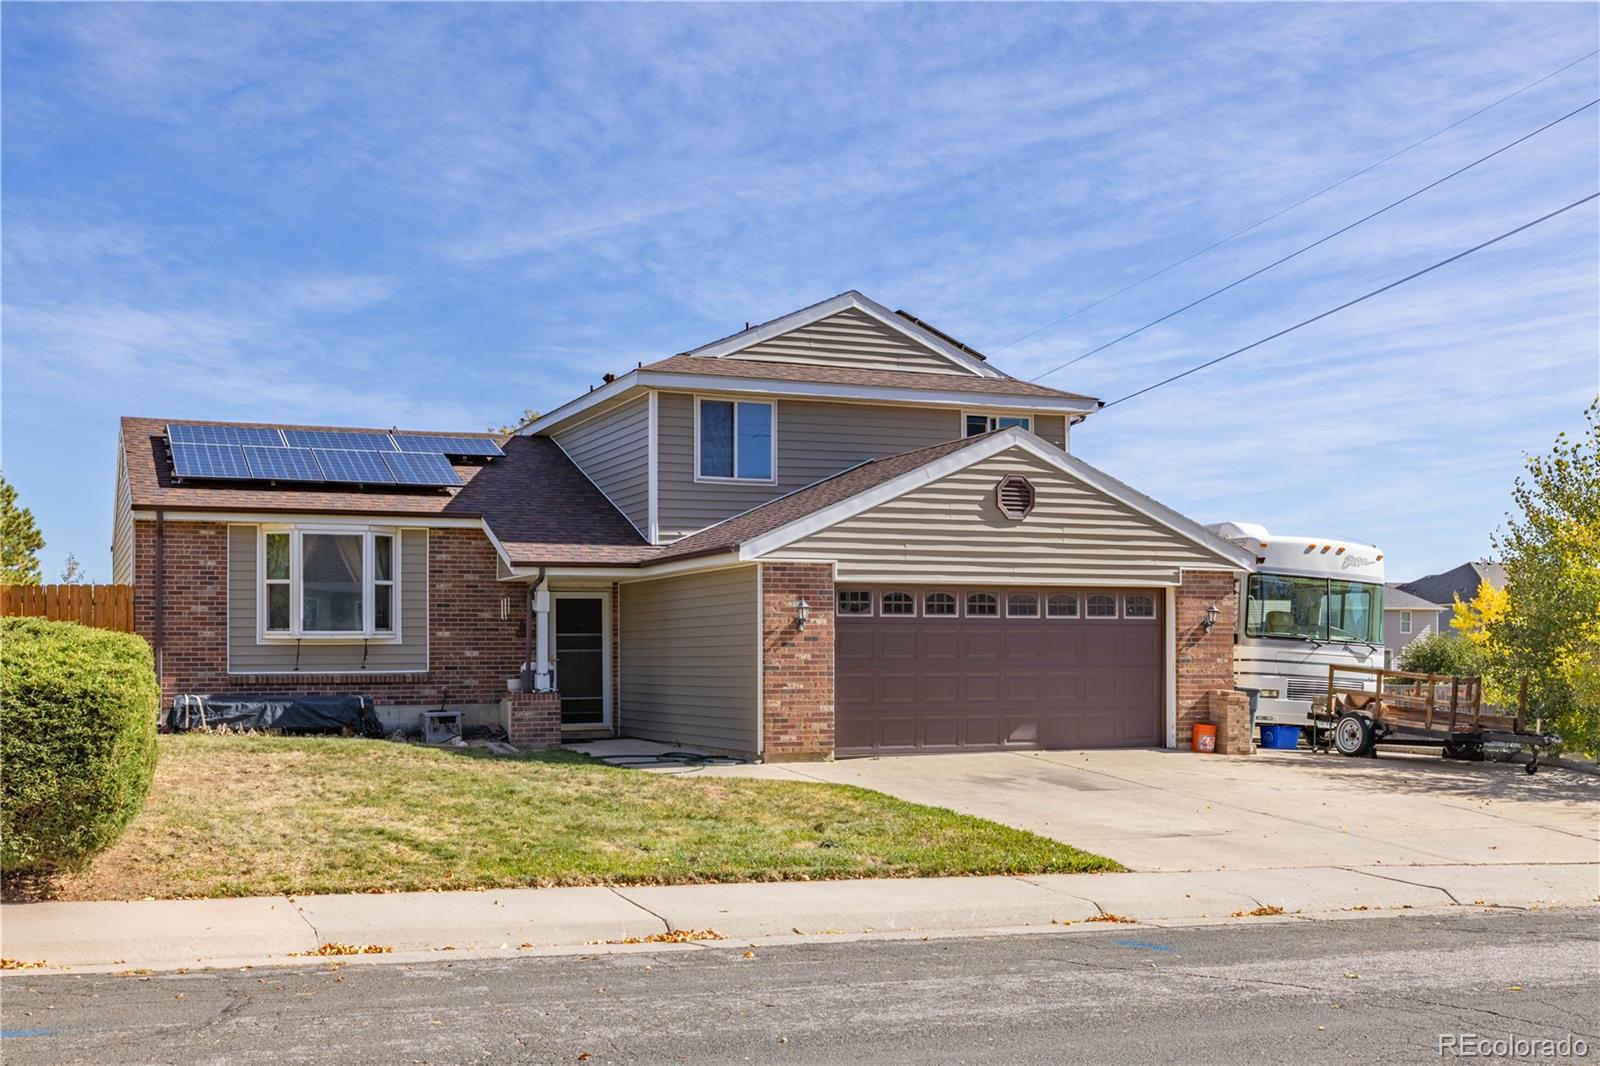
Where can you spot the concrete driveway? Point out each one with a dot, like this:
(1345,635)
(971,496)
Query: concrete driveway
(1163,810)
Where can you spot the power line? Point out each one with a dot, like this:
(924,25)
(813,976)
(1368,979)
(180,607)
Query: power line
(1358,299)
(1306,248)
(1298,203)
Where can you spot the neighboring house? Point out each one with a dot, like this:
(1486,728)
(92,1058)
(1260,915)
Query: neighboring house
(1405,618)
(1463,582)
(841,532)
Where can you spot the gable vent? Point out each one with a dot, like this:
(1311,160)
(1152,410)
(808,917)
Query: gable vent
(1014,495)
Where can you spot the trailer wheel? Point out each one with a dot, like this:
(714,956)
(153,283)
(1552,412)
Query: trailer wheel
(1533,763)
(1352,735)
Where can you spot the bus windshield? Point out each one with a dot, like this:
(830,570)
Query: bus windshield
(1314,608)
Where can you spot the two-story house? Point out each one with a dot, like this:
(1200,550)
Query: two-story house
(840,532)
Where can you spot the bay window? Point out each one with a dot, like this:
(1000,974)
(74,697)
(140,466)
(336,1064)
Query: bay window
(328,583)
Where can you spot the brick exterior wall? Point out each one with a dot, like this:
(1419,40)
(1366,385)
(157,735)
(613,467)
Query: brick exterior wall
(471,653)
(1205,660)
(796,664)
(1229,711)
(533,719)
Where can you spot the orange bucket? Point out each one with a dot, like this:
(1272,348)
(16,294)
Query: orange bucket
(1205,738)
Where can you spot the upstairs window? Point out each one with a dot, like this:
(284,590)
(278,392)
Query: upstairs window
(328,583)
(1405,621)
(977,424)
(734,440)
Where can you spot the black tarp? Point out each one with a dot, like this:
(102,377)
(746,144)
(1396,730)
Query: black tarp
(286,714)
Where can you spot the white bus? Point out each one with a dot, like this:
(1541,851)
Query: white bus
(1310,602)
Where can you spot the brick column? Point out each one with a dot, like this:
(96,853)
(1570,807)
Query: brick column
(533,719)
(796,664)
(1205,660)
(1230,713)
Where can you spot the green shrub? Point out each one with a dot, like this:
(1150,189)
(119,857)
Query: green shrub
(77,741)
(1441,653)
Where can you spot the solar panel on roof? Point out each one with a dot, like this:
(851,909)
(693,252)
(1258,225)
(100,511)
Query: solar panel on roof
(339,438)
(283,464)
(257,435)
(446,444)
(420,468)
(358,468)
(208,460)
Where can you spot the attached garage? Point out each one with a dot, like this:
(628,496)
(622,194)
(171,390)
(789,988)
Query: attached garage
(940,669)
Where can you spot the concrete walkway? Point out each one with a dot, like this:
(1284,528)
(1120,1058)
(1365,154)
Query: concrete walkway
(1164,810)
(174,934)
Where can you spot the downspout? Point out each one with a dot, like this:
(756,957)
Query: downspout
(527,634)
(161,575)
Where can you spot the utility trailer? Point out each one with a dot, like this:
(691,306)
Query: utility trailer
(1418,709)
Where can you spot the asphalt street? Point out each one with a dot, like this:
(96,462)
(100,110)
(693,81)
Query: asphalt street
(1367,989)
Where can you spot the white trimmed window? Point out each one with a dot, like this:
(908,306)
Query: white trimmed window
(855,601)
(1101,607)
(897,603)
(1022,605)
(1062,605)
(938,605)
(1405,621)
(328,583)
(976,424)
(1139,606)
(982,605)
(734,440)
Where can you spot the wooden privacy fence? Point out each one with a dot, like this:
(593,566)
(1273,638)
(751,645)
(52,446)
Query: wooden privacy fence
(102,606)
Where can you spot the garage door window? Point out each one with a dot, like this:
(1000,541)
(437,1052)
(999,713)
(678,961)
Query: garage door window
(1062,605)
(939,605)
(982,605)
(1102,607)
(855,601)
(1022,605)
(1140,606)
(897,603)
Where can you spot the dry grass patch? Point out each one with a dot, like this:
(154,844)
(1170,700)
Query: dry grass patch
(258,815)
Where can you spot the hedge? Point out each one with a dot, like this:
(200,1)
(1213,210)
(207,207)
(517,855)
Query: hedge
(77,741)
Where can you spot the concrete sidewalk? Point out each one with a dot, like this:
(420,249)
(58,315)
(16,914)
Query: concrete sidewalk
(174,934)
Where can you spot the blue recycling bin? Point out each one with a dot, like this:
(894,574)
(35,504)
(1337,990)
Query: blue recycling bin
(1280,737)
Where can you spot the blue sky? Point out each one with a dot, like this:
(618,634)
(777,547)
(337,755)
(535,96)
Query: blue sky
(437,216)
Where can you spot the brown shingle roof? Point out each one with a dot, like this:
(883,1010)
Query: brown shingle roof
(541,507)
(730,367)
(728,535)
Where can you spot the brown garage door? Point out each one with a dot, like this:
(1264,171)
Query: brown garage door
(947,669)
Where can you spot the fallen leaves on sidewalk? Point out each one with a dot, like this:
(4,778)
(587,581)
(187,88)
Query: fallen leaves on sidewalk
(1107,916)
(21,964)
(676,936)
(333,947)
(1259,912)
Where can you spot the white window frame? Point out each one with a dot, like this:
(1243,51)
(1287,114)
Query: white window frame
(999,604)
(916,604)
(993,418)
(923,604)
(1405,621)
(1077,606)
(1123,606)
(1038,605)
(1116,605)
(736,401)
(872,603)
(296,631)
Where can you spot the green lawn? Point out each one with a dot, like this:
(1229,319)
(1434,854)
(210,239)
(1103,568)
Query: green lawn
(237,816)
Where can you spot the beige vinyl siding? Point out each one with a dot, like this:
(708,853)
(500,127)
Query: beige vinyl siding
(951,530)
(245,656)
(122,526)
(1052,428)
(815,440)
(850,338)
(689,661)
(613,449)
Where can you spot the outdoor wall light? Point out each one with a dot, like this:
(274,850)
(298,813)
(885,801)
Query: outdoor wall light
(1211,618)
(802,612)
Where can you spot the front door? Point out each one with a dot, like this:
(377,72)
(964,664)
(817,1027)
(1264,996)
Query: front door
(580,657)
